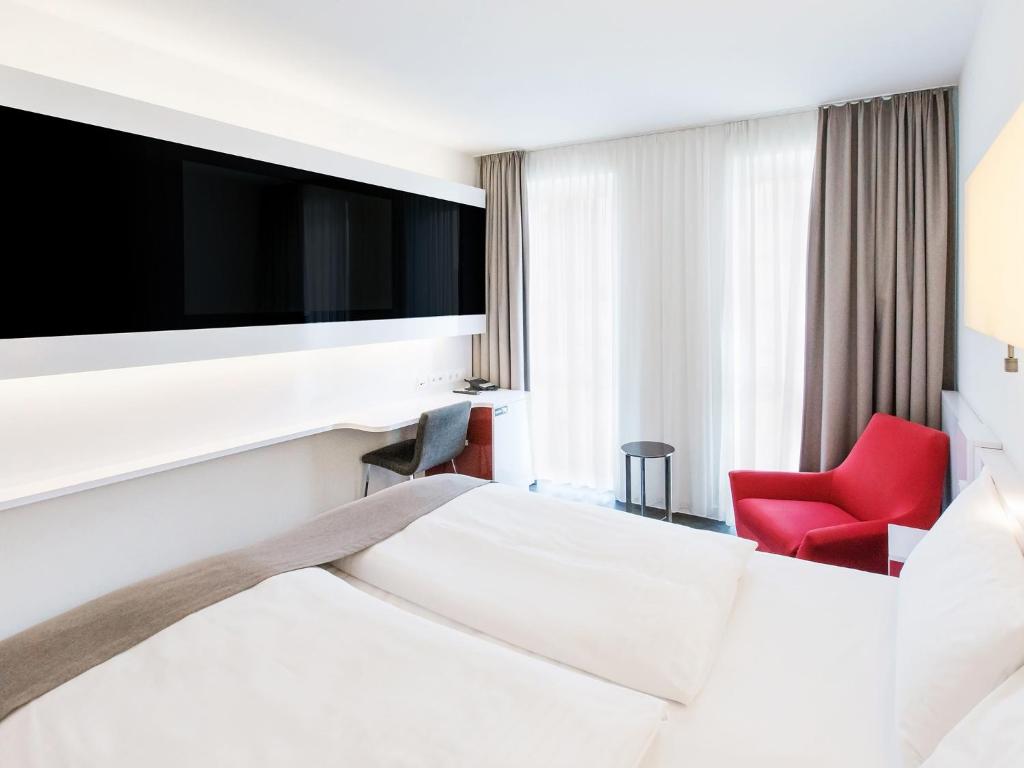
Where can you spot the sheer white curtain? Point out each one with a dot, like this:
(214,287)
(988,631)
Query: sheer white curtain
(666,303)
(574,231)
(768,198)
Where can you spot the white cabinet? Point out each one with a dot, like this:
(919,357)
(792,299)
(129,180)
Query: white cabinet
(512,459)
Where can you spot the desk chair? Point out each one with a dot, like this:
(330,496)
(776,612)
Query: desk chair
(440,437)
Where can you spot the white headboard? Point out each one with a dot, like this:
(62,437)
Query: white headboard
(973,446)
(968,436)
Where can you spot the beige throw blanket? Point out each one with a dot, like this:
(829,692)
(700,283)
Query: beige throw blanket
(51,653)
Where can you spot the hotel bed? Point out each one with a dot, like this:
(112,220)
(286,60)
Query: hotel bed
(454,623)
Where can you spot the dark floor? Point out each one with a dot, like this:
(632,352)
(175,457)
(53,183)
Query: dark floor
(693,521)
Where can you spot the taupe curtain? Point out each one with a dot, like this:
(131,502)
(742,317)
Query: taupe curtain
(499,354)
(880,269)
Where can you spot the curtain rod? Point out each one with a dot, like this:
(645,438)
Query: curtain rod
(658,132)
(692,126)
(886,96)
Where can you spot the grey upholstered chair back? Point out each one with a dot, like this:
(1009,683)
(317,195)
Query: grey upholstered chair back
(441,435)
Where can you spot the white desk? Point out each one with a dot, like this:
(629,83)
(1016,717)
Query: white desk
(383,417)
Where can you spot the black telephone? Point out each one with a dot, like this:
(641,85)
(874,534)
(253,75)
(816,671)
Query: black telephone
(476,386)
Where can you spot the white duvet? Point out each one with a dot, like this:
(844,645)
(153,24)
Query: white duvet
(304,670)
(632,600)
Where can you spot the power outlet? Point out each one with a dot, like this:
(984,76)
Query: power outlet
(438,379)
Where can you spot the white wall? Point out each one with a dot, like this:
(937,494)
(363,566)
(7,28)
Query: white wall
(991,90)
(48,44)
(57,553)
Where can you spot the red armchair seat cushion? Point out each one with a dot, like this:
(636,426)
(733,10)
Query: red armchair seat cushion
(779,525)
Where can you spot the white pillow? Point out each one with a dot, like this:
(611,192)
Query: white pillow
(635,601)
(991,735)
(960,618)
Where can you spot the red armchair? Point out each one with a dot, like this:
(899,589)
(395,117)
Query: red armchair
(894,474)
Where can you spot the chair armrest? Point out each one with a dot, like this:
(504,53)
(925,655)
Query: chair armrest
(862,545)
(794,486)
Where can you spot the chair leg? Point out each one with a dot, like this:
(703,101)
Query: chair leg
(668,487)
(456,471)
(643,487)
(629,486)
(366,480)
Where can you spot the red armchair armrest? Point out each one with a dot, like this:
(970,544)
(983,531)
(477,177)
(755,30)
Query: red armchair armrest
(795,486)
(862,545)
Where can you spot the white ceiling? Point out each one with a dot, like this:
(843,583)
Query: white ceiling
(482,76)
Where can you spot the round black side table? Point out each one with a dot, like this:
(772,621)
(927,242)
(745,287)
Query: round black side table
(644,450)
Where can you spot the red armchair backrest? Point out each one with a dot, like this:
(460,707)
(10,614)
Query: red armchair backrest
(896,467)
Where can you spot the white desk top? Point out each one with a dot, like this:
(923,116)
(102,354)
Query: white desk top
(406,412)
(383,417)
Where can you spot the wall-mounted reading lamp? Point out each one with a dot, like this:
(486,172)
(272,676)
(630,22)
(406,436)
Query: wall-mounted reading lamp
(994,237)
